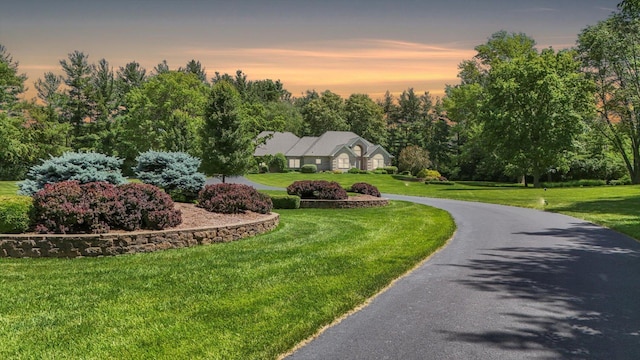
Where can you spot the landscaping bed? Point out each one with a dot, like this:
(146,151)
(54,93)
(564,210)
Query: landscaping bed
(197,228)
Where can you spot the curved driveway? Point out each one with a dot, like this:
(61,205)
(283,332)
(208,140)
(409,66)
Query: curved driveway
(512,284)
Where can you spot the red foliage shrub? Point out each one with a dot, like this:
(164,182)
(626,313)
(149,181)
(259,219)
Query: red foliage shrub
(97,207)
(233,199)
(146,207)
(364,188)
(317,189)
(69,207)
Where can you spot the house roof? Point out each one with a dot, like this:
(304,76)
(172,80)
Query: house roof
(279,142)
(325,145)
(301,148)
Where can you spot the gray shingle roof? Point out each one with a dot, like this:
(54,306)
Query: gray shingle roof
(278,143)
(325,145)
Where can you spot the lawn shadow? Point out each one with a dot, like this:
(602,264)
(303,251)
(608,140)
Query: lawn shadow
(586,291)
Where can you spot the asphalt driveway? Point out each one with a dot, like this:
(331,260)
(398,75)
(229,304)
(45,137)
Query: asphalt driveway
(512,284)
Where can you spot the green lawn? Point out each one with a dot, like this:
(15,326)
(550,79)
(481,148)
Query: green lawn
(250,299)
(8,187)
(616,207)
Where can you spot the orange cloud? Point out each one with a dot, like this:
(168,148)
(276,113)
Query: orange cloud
(350,66)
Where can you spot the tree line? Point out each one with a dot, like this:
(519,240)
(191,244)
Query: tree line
(518,112)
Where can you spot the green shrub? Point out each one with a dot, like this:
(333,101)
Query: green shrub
(15,212)
(354,171)
(574,183)
(278,163)
(429,175)
(12,172)
(391,169)
(308,169)
(175,172)
(625,180)
(285,201)
(81,167)
(379,171)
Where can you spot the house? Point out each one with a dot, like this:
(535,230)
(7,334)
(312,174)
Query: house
(333,150)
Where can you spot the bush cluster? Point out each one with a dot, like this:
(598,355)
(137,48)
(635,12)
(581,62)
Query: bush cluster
(82,167)
(175,172)
(364,188)
(309,169)
(233,199)
(358,171)
(97,207)
(429,175)
(574,183)
(285,201)
(15,212)
(317,189)
(390,169)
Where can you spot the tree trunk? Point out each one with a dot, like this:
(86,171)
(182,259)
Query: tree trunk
(223,178)
(536,179)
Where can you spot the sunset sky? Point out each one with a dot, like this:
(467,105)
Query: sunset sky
(345,46)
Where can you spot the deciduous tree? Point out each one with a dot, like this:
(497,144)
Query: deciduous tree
(610,54)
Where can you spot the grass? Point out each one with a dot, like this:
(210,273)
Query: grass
(8,187)
(616,207)
(251,299)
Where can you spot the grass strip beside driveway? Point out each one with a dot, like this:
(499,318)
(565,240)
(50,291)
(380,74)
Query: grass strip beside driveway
(616,207)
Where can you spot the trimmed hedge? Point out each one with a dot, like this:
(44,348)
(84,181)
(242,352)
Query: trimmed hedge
(15,212)
(309,169)
(233,199)
(97,207)
(317,189)
(285,201)
(391,169)
(364,188)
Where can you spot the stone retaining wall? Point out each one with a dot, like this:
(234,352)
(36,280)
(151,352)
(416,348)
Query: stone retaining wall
(67,246)
(343,204)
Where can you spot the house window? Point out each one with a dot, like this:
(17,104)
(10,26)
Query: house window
(378,161)
(318,161)
(343,161)
(294,163)
(357,150)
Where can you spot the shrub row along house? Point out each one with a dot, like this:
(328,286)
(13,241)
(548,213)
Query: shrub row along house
(333,150)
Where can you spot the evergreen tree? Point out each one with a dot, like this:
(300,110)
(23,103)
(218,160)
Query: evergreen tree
(227,146)
(194,67)
(11,82)
(78,108)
